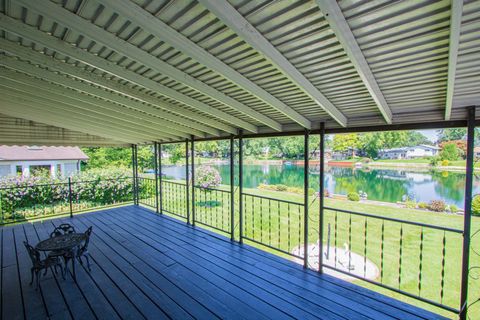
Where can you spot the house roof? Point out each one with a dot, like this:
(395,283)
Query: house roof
(425,146)
(141,71)
(25,153)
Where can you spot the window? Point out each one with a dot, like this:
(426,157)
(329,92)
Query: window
(19,170)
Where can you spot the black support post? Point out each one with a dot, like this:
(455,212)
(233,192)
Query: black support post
(467,216)
(192,151)
(306,155)
(136,177)
(160,196)
(187,182)
(321,196)
(156,175)
(70,200)
(232,189)
(240,184)
(133,175)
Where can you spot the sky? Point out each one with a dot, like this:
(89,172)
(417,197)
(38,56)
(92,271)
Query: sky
(430,134)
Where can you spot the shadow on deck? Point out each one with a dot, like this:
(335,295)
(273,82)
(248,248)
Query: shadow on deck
(151,266)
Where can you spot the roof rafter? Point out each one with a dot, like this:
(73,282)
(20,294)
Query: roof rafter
(61,81)
(51,106)
(74,22)
(35,88)
(454,40)
(17,27)
(152,103)
(233,19)
(333,14)
(158,28)
(31,112)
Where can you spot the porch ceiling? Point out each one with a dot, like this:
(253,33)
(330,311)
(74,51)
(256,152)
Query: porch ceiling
(122,72)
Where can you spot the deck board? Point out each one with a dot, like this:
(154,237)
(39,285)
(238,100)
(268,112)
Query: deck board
(149,266)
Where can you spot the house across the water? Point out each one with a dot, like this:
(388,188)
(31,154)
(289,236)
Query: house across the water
(419,151)
(26,161)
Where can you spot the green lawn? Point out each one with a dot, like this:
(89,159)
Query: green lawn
(281,225)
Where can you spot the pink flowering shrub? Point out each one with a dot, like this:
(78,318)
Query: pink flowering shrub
(207,177)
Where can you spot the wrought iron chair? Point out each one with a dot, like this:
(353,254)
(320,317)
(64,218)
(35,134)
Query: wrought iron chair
(62,229)
(38,264)
(81,251)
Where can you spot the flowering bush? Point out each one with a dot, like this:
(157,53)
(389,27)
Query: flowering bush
(45,195)
(208,177)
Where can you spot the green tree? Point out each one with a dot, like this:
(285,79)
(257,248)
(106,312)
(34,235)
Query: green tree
(344,142)
(451,134)
(414,138)
(449,152)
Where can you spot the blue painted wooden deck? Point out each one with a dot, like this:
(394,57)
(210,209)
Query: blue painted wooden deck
(154,267)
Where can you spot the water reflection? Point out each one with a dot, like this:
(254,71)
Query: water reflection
(380,184)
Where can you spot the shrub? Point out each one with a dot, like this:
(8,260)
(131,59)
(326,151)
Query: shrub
(423,205)
(445,163)
(434,161)
(453,208)
(208,177)
(353,196)
(476,205)
(410,204)
(437,205)
(311,191)
(281,187)
(449,152)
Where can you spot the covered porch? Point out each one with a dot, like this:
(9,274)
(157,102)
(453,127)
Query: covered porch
(152,266)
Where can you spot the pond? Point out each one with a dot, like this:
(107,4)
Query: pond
(388,185)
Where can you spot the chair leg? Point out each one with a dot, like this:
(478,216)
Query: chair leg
(86,255)
(31,278)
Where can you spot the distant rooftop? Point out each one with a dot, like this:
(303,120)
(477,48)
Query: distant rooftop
(33,153)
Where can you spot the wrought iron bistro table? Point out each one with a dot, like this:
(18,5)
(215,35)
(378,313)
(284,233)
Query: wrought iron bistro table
(65,243)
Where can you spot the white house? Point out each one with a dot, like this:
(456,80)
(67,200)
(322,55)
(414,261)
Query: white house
(23,160)
(419,151)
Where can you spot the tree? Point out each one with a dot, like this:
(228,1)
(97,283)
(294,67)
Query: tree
(451,134)
(415,138)
(345,142)
(449,152)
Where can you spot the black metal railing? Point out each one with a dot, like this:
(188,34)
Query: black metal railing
(174,198)
(404,256)
(147,191)
(213,208)
(37,201)
(274,223)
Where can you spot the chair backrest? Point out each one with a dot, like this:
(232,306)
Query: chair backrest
(87,233)
(62,229)
(33,253)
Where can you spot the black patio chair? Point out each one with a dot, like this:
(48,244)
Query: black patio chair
(81,252)
(62,229)
(38,264)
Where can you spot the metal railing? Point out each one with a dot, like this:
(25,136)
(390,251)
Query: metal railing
(411,258)
(147,191)
(274,223)
(174,198)
(37,201)
(213,208)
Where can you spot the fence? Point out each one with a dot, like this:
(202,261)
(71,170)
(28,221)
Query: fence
(174,198)
(30,202)
(404,256)
(213,208)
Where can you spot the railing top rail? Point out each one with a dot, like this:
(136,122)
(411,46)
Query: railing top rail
(173,182)
(273,199)
(146,178)
(212,189)
(431,226)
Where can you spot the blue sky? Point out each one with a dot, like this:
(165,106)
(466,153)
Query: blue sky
(430,134)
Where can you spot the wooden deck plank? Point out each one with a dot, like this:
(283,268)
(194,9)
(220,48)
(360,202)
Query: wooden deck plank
(297,305)
(274,264)
(11,288)
(151,266)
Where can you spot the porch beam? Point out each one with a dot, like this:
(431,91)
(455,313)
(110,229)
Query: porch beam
(74,22)
(454,40)
(235,21)
(333,14)
(150,104)
(17,27)
(158,28)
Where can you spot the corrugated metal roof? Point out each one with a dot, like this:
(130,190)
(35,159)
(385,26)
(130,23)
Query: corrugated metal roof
(156,70)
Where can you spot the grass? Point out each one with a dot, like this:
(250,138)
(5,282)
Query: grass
(281,225)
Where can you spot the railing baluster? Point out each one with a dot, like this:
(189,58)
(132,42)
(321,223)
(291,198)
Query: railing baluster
(350,242)
(381,251)
(261,219)
(420,266)
(335,248)
(444,251)
(278,231)
(299,224)
(270,222)
(365,234)
(289,227)
(400,257)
